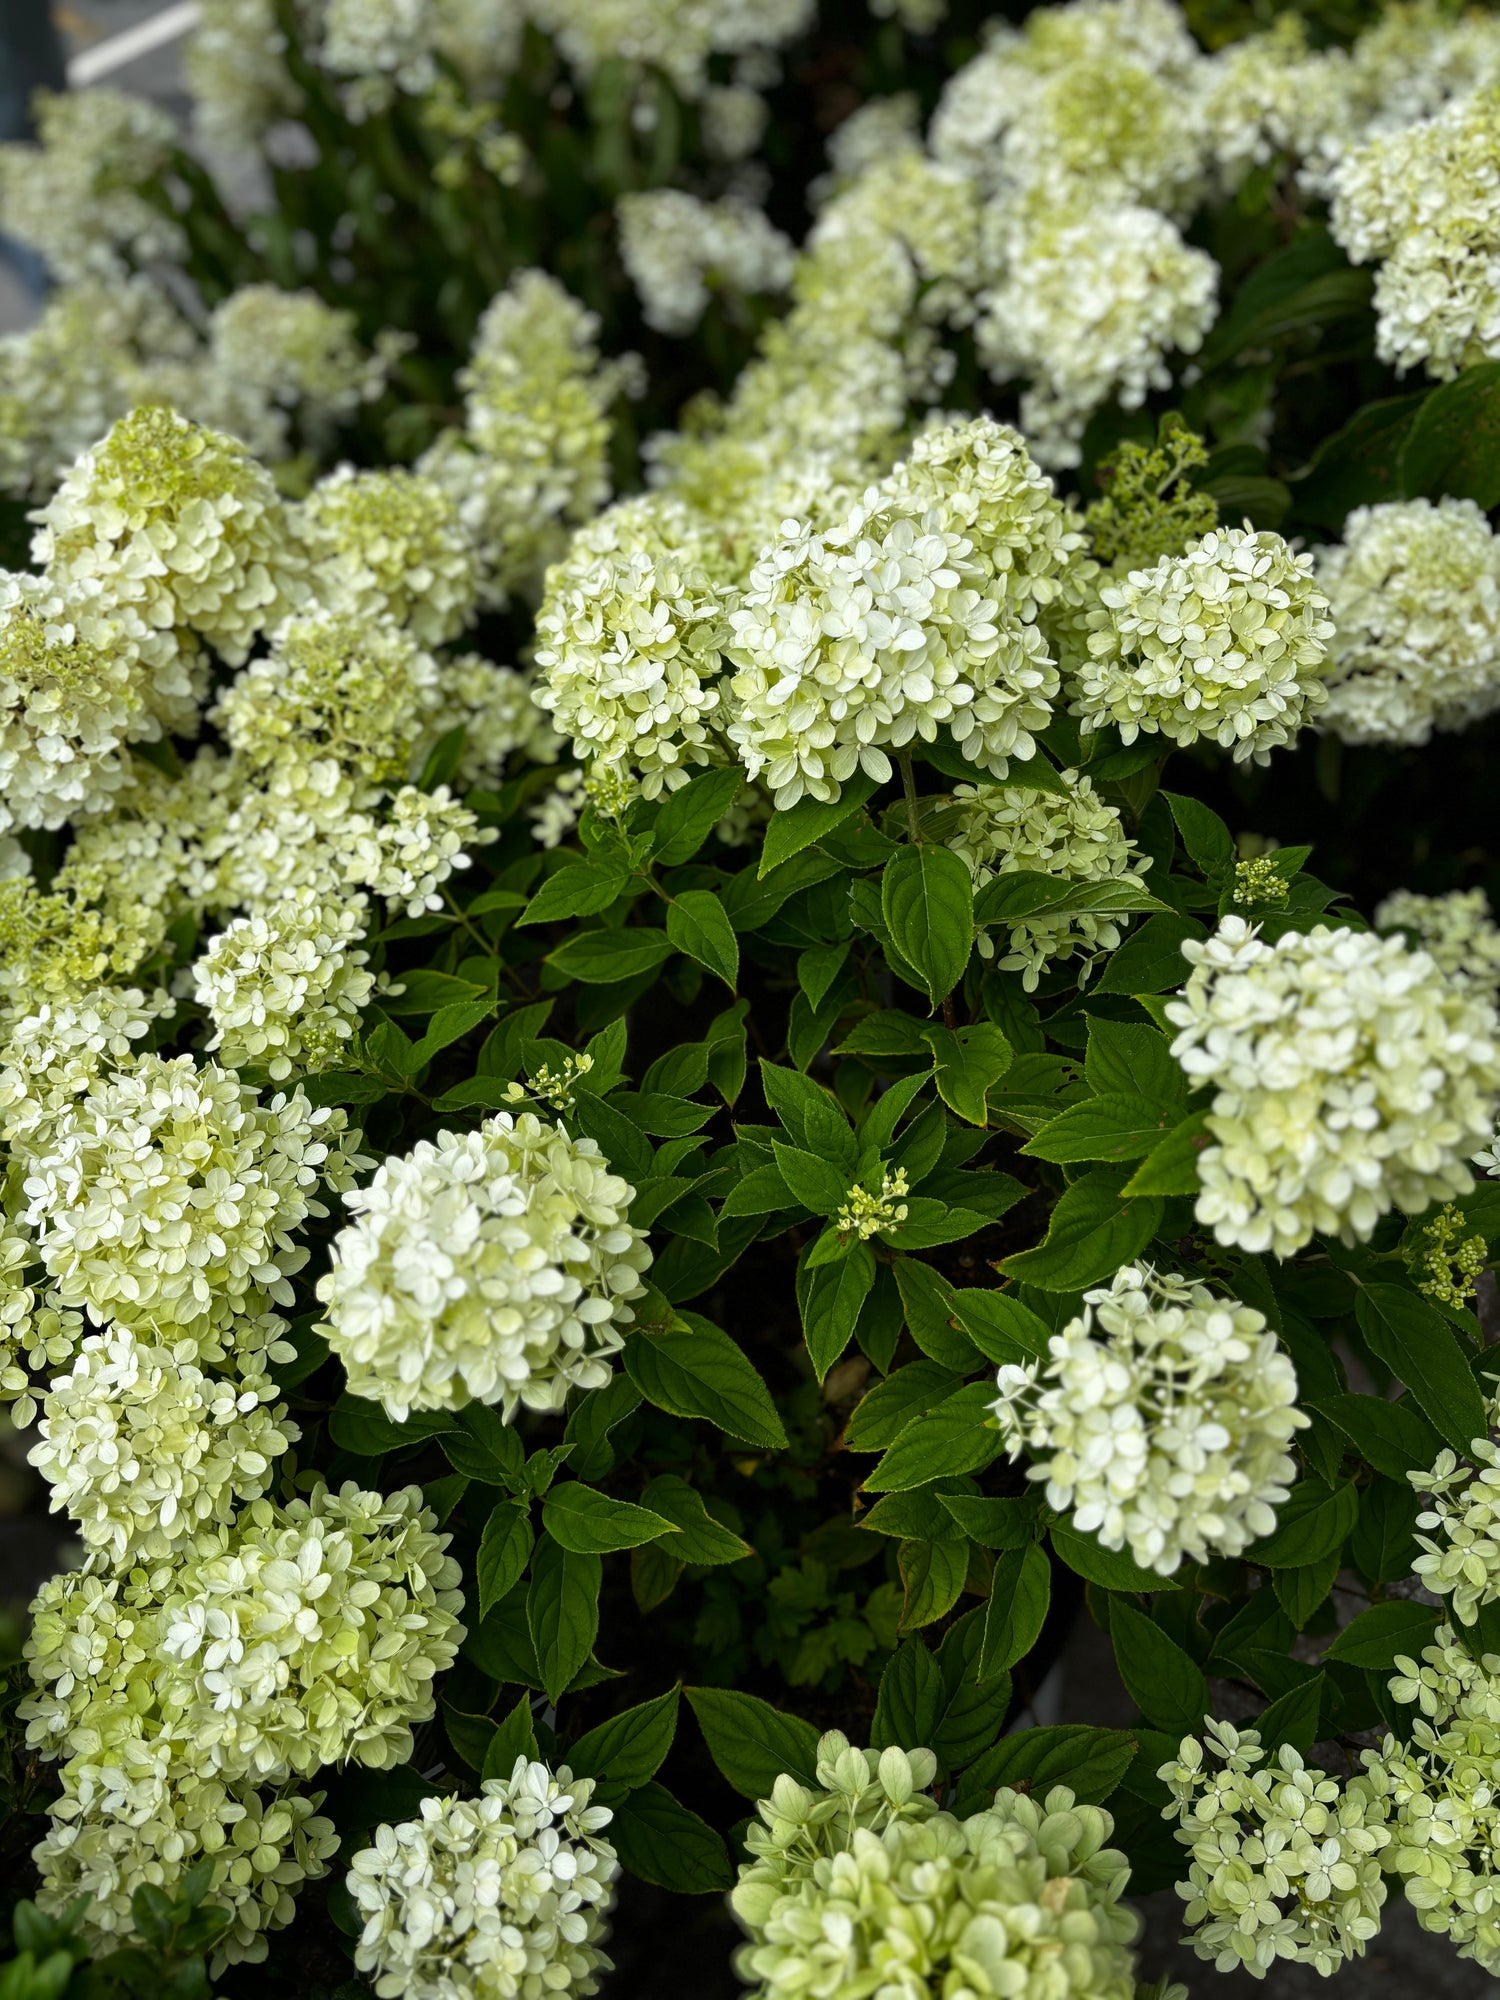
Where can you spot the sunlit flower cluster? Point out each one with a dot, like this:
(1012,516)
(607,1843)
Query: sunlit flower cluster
(505,1894)
(388,546)
(1350,1077)
(1459,1528)
(286,985)
(1160,1421)
(495,1265)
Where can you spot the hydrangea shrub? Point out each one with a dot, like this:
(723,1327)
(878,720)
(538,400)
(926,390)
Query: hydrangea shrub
(747,976)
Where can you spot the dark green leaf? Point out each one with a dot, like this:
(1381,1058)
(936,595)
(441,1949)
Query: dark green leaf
(1000,1326)
(1375,1637)
(753,1743)
(1417,1344)
(1111,1127)
(605,958)
(587,1522)
(562,1612)
(1394,1437)
(815,1183)
(658,1839)
(1454,442)
(1130,1058)
(514,1737)
(1152,960)
(1165,1683)
(968,1064)
(911,1698)
(689,815)
(958,1436)
(504,1551)
(366,1430)
(1020,1592)
(809,820)
(992,1522)
(927,899)
(932,1576)
(829,1298)
(1090,1762)
(1293,1717)
(1111,1569)
(693,1369)
(582,889)
(1359,465)
(1095,1228)
(699,1538)
(1313,1522)
(929,1303)
(885,1411)
(1204,835)
(697,925)
(1171,1167)
(629,1748)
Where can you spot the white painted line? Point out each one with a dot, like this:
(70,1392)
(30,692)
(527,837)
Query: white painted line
(94,64)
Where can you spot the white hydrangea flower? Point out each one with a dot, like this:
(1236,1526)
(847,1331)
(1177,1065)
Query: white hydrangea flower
(677,37)
(500,716)
(1457,931)
(1286,1861)
(296,1636)
(389,547)
(339,705)
(415,848)
(1077,835)
(555,813)
(80,365)
(1459,1529)
(379,45)
(235,62)
(1425,202)
(286,986)
(866,1876)
(142,1449)
(1102,94)
(1414,595)
(76,195)
(1087,300)
(180,522)
(1442,1789)
(495,1265)
(629,639)
(73,694)
(1226,641)
(55,948)
(678,250)
(532,459)
(120,1826)
(1169,1435)
(36,1339)
(482,1899)
(1350,1078)
(275,356)
(166,1195)
(52,1055)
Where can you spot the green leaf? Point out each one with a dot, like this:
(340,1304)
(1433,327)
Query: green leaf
(968,1064)
(1020,1592)
(590,1422)
(929,1302)
(974,1709)
(927,900)
(689,815)
(1095,1228)
(699,1538)
(424,992)
(809,820)
(1313,1523)
(1293,1718)
(514,1737)
(818,967)
(697,925)
(661,1841)
(629,1748)
(1301,1591)
(605,958)
(1152,960)
(582,889)
(1111,1127)
(815,1183)
(811,1115)
(1165,1683)
(693,1369)
(1111,1569)
(1204,835)
(1454,442)
(1375,1637)
(562,1612)
(1359,465)
(1171,1167)
(1130,1058)
(450,1024)
(884,1412)
(932,1576)
(1418,1345)
(911,1699)
(829,1298)
(500,1645)
(504,1551)
(588,1523)
(1090,1762)
(480,1444)
(753,1743)
(992,1522)
(1393,1437)
(958,1436)
(365,1429)
(1000,1326)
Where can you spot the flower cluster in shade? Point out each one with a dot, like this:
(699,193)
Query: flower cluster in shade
(679,251)
(490,1898)
(861,1881)
(1414,595)
(1458,1529)
(495,1265)
(1286,1861)
(1160,1421)
(1456,930)
(186,1695)
(1071,833)
(1350,1076)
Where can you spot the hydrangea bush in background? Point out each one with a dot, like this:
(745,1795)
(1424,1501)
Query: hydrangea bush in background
(676,1094)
